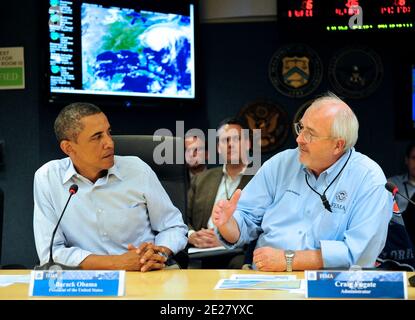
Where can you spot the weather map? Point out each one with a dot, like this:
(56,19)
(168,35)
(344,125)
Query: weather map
(139,52)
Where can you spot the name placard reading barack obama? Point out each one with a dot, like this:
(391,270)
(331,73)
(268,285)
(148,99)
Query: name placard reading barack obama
(356,284)
(77,283)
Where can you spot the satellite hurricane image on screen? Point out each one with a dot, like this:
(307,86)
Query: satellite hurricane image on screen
(128,51)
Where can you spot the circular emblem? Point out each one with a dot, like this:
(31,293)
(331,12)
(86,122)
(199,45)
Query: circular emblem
(295,70)
(355,72)
(341,196)
(271,119)
(299,114)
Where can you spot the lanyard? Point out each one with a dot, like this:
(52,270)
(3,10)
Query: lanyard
(323,196)
(226,188)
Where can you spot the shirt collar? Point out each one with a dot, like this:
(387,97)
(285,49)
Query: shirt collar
(115,170)
(405,178)
(334,168)
(71,171)
(241,173)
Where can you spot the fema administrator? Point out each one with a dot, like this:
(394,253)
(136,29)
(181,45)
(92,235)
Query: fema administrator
(321,205)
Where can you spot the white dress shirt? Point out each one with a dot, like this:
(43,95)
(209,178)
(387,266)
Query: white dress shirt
(128,205)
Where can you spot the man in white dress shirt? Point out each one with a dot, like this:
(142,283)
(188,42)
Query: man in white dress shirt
(120,218)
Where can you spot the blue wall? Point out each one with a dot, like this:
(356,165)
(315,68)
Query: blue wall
(234,65)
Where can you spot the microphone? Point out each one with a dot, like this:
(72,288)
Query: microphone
(51,264)
(391,187)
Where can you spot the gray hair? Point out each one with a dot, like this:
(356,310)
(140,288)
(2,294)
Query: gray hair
(345,124)
(68,122)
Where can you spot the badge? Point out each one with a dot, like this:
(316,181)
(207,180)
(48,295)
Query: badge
(341,196)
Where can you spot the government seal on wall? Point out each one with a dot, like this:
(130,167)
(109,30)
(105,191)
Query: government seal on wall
(295,70)
(299,114)
(355,72)
(271,119)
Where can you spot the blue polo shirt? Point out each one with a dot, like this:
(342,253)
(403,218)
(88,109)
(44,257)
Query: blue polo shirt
(279,207)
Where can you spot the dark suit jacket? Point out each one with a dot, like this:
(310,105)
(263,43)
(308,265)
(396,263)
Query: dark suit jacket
(202,194)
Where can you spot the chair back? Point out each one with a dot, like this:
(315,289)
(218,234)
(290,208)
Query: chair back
(398,253)
(173,176)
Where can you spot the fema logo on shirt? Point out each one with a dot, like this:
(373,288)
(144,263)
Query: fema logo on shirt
(341,196)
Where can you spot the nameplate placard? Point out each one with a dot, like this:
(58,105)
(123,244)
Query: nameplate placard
(356,284)
(77,283)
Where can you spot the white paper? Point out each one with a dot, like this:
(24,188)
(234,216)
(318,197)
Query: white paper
(196,250)
(264,277)
(249,284)
(7,280)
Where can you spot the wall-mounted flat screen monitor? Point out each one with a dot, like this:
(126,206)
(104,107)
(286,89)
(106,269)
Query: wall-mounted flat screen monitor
(122,51)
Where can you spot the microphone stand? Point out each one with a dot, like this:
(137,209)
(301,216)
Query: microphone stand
(51,264)
(406,198)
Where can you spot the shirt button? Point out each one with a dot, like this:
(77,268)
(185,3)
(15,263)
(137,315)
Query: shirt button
(104,234)
(300,232)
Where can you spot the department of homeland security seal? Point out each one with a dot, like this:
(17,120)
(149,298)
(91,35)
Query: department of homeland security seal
(355,72)
(341,196)
(271,119)
(295,70)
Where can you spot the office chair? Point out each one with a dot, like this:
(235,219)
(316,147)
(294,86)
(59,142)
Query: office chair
(398,252)
(173,177)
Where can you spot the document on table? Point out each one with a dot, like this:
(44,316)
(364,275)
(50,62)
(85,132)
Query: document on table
(9,279)
(196,250)
(262,282)
(262,277)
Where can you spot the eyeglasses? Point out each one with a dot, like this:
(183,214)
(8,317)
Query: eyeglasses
(307,135)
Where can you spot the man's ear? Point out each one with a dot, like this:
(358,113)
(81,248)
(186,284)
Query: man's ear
(66,147)
(339,146)
(217,147)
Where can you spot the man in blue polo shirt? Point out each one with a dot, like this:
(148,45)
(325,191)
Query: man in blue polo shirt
(321,205)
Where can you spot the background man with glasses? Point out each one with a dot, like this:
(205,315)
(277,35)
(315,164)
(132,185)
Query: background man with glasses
(321,205)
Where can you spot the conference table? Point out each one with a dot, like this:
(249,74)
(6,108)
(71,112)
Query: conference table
(176,284)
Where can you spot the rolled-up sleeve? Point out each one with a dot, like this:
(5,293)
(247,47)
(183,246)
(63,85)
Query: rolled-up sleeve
(366,234)
(257,195)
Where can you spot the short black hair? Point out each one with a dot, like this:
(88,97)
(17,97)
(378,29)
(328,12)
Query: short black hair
(68,122)
(233,120)
(236,121)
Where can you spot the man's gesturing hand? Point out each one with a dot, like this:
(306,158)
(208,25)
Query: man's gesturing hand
(224,209)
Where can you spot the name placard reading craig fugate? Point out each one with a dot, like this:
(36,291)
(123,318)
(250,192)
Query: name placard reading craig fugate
(356,284)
